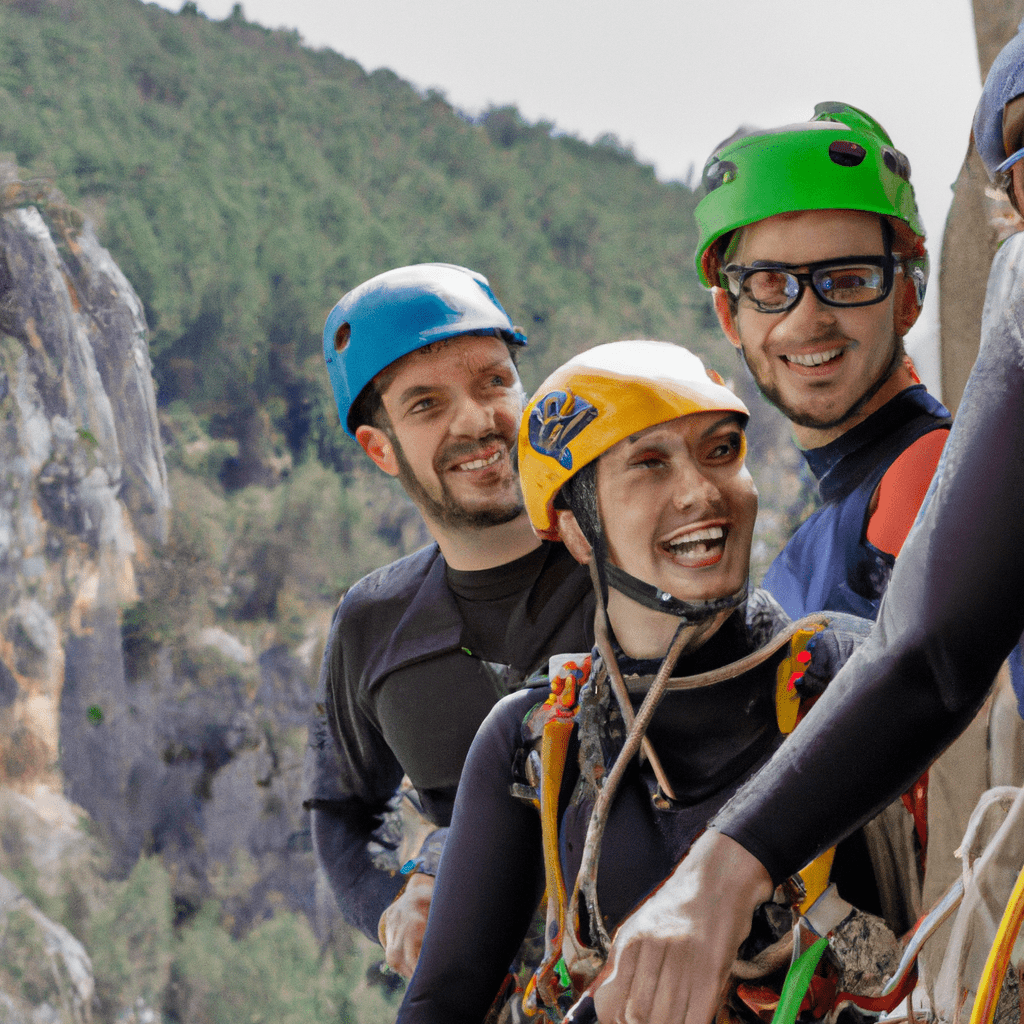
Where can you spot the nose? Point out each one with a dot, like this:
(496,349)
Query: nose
(472,418)
(807,318)
(692,488)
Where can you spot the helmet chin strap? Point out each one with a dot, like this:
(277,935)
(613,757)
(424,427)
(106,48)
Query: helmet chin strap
(689,612)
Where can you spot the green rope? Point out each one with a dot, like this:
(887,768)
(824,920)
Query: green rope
(798,980)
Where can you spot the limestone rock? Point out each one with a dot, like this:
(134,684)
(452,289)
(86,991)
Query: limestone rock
(84,492)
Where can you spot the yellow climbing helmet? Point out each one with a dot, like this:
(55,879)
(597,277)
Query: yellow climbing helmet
(597,399)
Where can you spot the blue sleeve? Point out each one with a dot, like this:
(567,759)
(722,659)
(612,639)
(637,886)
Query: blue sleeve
(489,883)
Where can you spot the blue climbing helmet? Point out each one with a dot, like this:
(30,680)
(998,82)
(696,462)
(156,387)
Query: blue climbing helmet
(1005,82)
(400,311)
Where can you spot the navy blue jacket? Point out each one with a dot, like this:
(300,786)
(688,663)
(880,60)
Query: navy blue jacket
(829,563)
(950,617)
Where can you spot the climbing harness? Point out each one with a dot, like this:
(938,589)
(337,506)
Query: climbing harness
(577,688)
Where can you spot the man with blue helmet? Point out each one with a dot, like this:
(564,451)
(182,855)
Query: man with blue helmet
(421,361)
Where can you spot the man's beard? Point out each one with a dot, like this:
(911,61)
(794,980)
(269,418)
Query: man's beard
(803,419)
(446,510)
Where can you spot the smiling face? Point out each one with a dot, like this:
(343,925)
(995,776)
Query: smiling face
(678,505)
(454,411)
(826,368)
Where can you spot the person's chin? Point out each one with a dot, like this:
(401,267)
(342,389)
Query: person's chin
(707,584)
(485,510)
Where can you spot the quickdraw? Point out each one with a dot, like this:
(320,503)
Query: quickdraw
(559,711)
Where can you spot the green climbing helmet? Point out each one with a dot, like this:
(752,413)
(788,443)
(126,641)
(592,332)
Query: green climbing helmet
(842,159)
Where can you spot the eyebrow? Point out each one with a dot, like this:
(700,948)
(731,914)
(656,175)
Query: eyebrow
(418,390)
(415,391)
(780,265)
(732,417)
(495,364)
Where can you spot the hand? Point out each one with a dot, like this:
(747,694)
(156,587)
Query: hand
(402,925)
(670,960)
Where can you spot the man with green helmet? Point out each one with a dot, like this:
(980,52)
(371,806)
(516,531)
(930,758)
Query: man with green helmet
(810,239)
(811,242)
(915,684)
(421,361)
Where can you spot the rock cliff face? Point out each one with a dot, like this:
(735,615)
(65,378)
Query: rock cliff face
(84,488)
(196,759)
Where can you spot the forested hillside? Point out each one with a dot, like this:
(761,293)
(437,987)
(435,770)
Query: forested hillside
(243,182)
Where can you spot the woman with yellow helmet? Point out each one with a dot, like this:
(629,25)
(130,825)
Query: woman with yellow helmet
(632,454)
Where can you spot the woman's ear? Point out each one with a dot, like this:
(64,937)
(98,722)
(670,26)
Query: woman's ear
(572,536)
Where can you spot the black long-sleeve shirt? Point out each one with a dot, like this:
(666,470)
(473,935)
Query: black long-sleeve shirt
(417,656)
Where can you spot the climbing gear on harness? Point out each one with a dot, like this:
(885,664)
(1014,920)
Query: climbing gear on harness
(400,311)
(571,960)
(797,982)
(842,159)
(788,675)
(561,704)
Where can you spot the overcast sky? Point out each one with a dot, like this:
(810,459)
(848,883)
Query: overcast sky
(672,78)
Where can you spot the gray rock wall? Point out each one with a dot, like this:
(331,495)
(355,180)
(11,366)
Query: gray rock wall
(194,757)
(84,491)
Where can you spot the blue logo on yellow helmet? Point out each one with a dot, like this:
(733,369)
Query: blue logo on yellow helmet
(555,420)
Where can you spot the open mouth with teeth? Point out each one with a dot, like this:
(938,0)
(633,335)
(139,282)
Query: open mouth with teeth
(479,463)
(698,548)
(814,359)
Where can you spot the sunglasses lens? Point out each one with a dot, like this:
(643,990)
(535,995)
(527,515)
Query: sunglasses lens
(850,284)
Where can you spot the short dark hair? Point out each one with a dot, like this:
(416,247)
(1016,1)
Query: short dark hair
(368,408)
(579,495)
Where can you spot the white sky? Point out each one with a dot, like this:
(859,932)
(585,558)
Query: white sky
(672,78)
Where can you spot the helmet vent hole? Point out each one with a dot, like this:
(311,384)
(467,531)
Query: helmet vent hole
(717,174)
(846,154)
(341,337)
(897,163)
